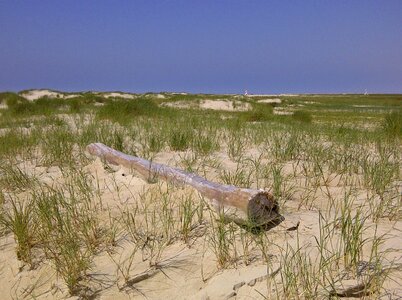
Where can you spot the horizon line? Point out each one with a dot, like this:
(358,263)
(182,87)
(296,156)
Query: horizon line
(204,93)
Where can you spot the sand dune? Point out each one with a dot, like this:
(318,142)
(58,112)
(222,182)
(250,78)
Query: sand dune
(224,105)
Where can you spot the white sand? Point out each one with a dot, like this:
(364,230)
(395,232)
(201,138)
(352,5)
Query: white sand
(282,111)
(71,96)
(180,104)
(36,94)
(119,95)
(261,95)
(224,105)
(289,95)
(272,100)
(364,106)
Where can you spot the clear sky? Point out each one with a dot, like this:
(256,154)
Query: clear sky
(210,46)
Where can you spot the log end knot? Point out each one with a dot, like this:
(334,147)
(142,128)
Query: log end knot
(263,209)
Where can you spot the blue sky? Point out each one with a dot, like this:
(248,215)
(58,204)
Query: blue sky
(202,46)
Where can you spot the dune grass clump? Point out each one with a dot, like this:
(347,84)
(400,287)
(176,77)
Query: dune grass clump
(75,105)
(16,141)
(259,113)
(302,116)
(286,146)
(57,147)
(152,233)
(124,112)
(60,238)
(187,212)
(352,229)
(90,98)
(240,177)
(236,146)
(104,132)
(205,144)
(180,140)
(21,108)
(20,220)
(68,229)
(11,99)
(222,240)
(299,275)
(392,124)
(43,106)
(14,178)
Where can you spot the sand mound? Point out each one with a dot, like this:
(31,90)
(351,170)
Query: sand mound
(224,105)
(180,104)
(261,95)
(272,100)
(71,96)
(289,95)
(282,111)
(118,95)
(273,95)
(36,94)
(364,106)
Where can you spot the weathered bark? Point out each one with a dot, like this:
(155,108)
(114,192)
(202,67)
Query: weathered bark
(246,206)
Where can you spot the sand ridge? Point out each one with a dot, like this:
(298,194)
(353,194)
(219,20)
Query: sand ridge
(32,95)
(216,104)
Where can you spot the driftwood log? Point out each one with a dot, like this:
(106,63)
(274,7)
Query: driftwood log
(244,206)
